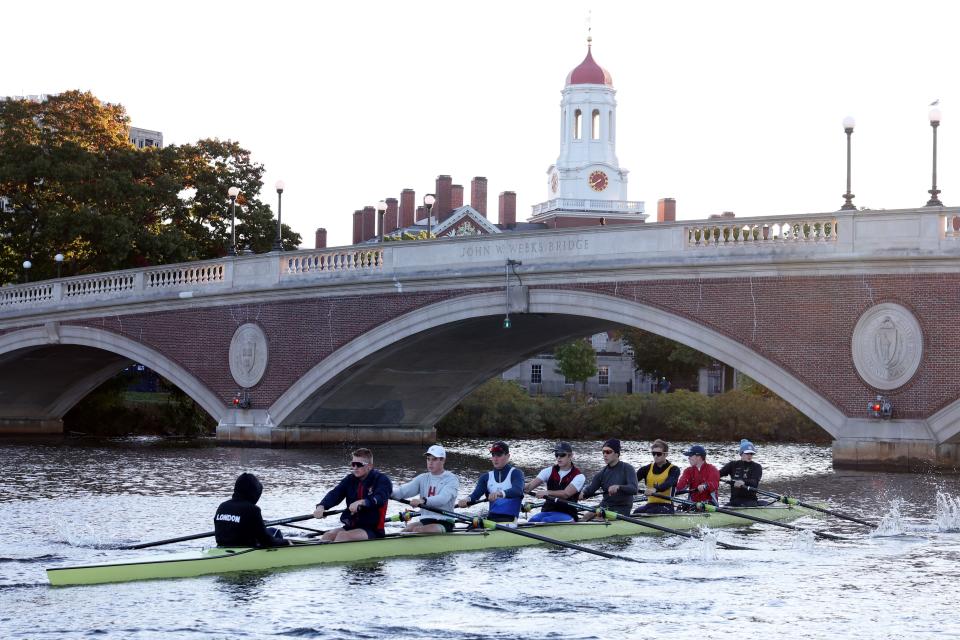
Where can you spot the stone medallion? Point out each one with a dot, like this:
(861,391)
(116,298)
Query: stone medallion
(887,345)
(248,354)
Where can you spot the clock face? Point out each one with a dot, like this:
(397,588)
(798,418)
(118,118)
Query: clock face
(554,182)
(598,180)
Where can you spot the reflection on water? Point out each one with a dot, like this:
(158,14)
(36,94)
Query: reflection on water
(75,502)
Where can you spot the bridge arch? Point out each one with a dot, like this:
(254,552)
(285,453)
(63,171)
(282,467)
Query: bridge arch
(54,335)
(608,310)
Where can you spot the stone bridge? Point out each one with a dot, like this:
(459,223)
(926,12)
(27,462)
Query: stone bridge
(376,343)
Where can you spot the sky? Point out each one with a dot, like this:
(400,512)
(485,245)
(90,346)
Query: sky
(724,106)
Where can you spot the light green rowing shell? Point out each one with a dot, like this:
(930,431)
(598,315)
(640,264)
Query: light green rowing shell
(224,560)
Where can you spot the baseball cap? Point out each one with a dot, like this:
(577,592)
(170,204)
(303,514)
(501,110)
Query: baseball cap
(696,450)
(436,451)
(563,447)
(499,447)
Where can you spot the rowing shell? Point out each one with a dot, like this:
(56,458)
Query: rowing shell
(226,560)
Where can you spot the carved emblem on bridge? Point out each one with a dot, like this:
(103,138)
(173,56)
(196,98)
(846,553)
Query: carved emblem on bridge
(887,345)
(248,355)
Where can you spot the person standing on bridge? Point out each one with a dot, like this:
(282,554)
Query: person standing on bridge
(502,486)
(658,477)
(366,492)
(563,481)
(701,478)
(436,487)
(239,523)
(617,480)
(744,475)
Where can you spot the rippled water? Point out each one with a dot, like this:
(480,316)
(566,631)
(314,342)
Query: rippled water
(67,503)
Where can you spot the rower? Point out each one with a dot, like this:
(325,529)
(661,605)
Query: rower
(658,477)
(366,492)
(564,481)
(617,480)
(502,486)
(745,474)
(701,478)
(239,523)
(437,487)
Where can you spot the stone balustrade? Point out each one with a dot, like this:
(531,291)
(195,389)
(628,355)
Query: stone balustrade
(740,232)
(350,259)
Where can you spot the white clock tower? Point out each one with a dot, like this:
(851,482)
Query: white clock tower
(586,182)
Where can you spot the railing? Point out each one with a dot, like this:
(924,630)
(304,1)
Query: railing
(184,274)
(25,294)
(725,234)
(577,204)
(109,283)
(342,260)
(951,226)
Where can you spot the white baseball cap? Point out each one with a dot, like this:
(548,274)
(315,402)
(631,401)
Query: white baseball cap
(436,451)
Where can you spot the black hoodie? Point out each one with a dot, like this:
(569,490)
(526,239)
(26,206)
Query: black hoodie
(238,522)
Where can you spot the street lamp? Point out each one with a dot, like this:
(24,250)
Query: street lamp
(381,209)
(428,202)
(233,192)
(59,260)
(278,242)
(848,123)
(934,192)
(26,270)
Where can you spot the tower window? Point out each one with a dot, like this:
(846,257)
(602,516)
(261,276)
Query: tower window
(577,124)
(595,125)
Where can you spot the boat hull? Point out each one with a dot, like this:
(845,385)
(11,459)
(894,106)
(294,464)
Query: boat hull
(225,560)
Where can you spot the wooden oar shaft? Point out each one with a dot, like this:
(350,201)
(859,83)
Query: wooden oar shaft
(709,507)
(208,534)
(807,505)
(659,527)
(490,524)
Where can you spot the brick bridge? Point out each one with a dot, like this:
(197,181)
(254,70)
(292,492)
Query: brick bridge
(375,343)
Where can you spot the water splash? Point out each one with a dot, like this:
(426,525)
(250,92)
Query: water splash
(948,512)
(706,549)
(804,541)
(891,524)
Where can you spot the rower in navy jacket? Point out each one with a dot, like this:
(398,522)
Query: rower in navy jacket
(238,522)
(503,486)
(367,492)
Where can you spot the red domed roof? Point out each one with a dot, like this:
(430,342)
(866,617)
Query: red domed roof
(589,72)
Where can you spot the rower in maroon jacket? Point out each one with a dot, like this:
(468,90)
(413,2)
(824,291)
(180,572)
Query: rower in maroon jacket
(367,492)
(701,477)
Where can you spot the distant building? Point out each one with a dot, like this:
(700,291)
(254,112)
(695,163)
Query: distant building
(141,138)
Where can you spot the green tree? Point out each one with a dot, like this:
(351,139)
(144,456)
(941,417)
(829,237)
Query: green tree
(576,361)
(661,356)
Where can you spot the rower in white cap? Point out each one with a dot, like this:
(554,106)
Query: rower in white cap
(437,488)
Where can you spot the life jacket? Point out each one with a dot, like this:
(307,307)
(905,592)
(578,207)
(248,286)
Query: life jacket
(503,506)
(556,483)
(658,478)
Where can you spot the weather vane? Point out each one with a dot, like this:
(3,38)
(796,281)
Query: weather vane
(589,26)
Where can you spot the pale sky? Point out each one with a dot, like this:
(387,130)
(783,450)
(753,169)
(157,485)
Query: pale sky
(725,106)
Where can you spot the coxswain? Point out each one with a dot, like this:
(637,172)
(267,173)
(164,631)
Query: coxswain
(238,521)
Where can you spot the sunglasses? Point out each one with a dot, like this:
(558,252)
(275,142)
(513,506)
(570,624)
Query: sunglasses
(607,452)
(561,455)
(358,465)
(657,454)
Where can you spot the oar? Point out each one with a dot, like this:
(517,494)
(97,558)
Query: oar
(613,515)
(196,536)
(706,506)
(490,524)
(805,505)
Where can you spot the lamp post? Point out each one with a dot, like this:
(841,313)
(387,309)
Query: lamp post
(381,209)
(59,260)
(934,201)
(26,270)
(428,202)
(848,123)
(278,241)
(233,192)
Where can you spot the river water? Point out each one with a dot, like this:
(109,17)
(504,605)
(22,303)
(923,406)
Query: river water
(68,502)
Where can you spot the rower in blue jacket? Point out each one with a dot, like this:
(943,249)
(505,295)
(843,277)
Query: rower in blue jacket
(502,486)
(366,492)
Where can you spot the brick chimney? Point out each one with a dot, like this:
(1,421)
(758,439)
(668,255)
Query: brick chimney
(408,208)
(441,209)
(478,195)
(667,210)
(369,223)
(392,218)
(321,239)
(422,213)
(508,207)
(456,197)
(357,227)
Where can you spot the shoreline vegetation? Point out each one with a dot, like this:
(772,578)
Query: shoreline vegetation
(503,409)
